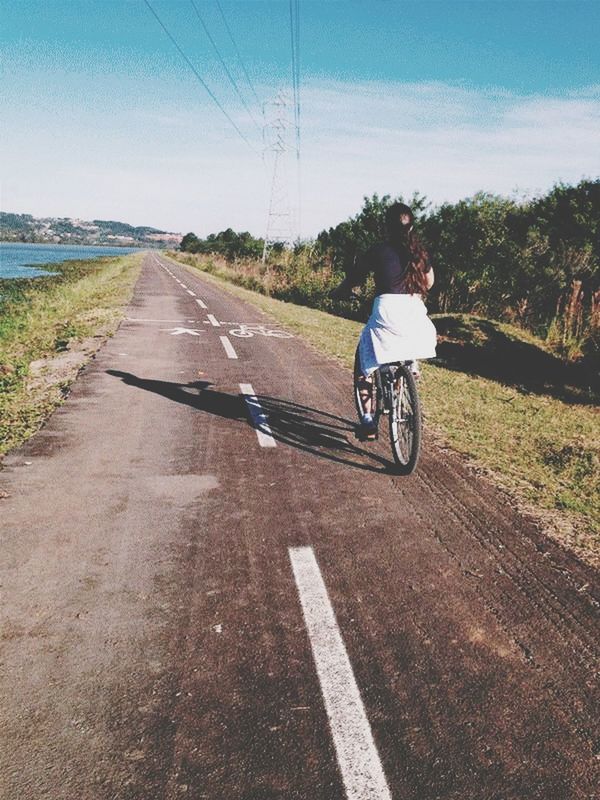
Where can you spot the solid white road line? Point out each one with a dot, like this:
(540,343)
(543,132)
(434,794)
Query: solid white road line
(228,347)
(201,304)
(189,291)
(259,418)
(357,755)
(143,319)
(213,320)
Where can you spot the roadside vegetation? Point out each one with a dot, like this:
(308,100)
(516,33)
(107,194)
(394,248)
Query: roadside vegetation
(48,327)
(532,263)
(515,387)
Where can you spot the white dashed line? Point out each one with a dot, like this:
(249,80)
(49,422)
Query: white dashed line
(259,418)
(228,347)
(357,755)
(183,286)
(213,320)
(201,304)
(189,291)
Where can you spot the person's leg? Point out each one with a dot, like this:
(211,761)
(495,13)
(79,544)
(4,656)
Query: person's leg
(365,392)
(365,386)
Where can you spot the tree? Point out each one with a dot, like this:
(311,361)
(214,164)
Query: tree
(475,253)
(354,236)
(189,243)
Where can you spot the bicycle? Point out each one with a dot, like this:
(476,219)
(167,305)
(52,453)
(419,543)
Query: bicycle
(395,395)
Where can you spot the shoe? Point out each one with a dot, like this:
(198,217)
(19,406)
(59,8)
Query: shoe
(368,428)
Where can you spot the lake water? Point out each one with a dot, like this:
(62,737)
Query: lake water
(16,259)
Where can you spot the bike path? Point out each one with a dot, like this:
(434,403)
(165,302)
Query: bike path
(462,569)
(151,512)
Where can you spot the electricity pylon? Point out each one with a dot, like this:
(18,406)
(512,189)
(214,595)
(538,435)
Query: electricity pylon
(279,220)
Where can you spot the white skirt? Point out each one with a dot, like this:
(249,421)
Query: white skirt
(398,330)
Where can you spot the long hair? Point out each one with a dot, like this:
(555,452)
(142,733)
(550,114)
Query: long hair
(404,238)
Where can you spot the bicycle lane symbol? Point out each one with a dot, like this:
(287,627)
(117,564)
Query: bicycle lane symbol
(246,330)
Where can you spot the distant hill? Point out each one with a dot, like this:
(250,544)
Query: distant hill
(66,230)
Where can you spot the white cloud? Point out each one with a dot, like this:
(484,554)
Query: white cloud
(180,166)
(444,141)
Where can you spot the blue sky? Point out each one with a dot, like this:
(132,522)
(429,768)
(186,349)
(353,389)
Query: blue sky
(103,119)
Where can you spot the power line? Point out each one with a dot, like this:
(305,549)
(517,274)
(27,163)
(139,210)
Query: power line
(223,64)
(198,76)
(298,74)
(238,52)
(295,47)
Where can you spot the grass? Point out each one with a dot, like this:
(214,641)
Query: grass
(498,396)
(40,318)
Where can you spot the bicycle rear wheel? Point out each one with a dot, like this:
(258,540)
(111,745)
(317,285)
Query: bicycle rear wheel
(405,421)
(357,400)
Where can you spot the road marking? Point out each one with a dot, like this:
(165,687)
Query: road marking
(357,755)
(247,330)
(201,304)
(213,321)
(228,347)
(143,319)
(259,418)
(189,291)
(183,286)
(180,331)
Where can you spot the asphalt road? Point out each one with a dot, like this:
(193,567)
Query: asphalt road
(211,589)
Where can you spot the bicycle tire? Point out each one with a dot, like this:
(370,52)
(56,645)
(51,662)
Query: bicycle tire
(357,402)
(406,422)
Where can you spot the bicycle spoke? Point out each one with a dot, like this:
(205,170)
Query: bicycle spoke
(405,422)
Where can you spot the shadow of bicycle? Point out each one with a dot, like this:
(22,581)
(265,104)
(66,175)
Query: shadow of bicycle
(303,427)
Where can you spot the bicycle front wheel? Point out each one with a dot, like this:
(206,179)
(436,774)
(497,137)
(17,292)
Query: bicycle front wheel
(405,422)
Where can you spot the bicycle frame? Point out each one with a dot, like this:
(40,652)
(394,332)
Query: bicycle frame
(383,385)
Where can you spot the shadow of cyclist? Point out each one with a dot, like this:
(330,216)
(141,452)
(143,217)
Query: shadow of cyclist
(308,429)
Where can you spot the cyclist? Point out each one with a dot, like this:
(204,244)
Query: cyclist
(398,328)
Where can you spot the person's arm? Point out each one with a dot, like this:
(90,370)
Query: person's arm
(429,276)
(356,276)
(343,290)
